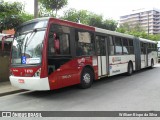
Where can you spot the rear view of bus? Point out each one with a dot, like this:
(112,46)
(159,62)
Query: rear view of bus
(27,54)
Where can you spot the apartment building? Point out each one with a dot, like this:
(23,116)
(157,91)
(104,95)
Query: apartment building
(148,19)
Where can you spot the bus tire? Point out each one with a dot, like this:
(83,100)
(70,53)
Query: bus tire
(130,69)
(152,63)
(86,78)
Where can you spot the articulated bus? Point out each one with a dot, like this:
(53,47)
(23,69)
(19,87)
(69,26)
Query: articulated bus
(49,53)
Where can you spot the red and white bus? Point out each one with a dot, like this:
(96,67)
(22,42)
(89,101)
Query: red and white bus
(49,53)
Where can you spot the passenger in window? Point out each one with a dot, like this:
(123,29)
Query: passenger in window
(56,44)
(79,51)
(85,50)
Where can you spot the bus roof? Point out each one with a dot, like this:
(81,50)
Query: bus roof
(146,40)
(82,26)
(61,22)
(114,33)
(122,35)
(35,20)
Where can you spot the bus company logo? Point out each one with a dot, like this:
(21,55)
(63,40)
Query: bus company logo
(116,59)
(66,76)
(82,60)
(15,70)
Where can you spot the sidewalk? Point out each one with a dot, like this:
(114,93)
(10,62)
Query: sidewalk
(6,89)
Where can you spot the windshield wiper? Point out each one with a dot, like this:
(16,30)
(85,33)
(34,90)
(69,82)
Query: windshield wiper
(29,38)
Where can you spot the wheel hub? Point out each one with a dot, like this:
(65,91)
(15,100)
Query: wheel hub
(86,78)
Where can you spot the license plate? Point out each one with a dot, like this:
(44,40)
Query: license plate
(21,81)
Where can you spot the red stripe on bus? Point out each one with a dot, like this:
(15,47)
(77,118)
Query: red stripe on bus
(120,63)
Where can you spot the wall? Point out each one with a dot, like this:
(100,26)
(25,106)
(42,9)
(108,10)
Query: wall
(4,68)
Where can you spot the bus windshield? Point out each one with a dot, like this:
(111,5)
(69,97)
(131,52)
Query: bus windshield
(27,46)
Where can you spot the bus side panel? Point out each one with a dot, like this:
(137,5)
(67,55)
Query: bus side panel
(119,64)
(64,76)
(70,73)
(152,54)
(143,64)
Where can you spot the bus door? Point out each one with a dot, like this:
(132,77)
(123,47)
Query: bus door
(101,43)
(145,54)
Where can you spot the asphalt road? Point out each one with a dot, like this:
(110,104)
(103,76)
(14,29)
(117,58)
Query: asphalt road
(138,92)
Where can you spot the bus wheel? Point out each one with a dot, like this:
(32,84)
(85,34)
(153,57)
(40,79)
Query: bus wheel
(152,63)
(86,78)
(130,69)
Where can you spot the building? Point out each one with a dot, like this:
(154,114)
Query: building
(148,19)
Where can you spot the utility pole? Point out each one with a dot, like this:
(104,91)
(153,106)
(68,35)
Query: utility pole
(35,8)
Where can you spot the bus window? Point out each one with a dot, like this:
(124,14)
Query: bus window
(59,42)
(84,43)
(118,46)
(64,39)
(56,48)
(125,46)
(111,45)
(142,48)
(100,45)
(131,48)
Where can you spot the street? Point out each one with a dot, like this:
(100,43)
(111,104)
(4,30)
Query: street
(139,92)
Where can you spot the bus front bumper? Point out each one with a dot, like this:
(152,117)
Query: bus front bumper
(30,83)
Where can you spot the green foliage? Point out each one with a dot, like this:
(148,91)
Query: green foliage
(7,8)
(53,5)
(96,20)
(110,24)
(10,22)
(43,12)
(25,16)
(74,15)
(137,31)
(89,18)
(155,37)
(12,15)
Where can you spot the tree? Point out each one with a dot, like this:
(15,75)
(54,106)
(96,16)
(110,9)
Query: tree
(109,24)
(89,18)
(25,16)
(75,16)
(95,20)
(53,5)
(12,15)
(43,12)
(137,31)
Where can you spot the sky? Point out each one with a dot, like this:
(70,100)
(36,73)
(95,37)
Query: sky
(108,8)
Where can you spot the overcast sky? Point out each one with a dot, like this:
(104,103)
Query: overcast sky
(107,8)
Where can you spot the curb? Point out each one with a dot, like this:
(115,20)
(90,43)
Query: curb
(11,92)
